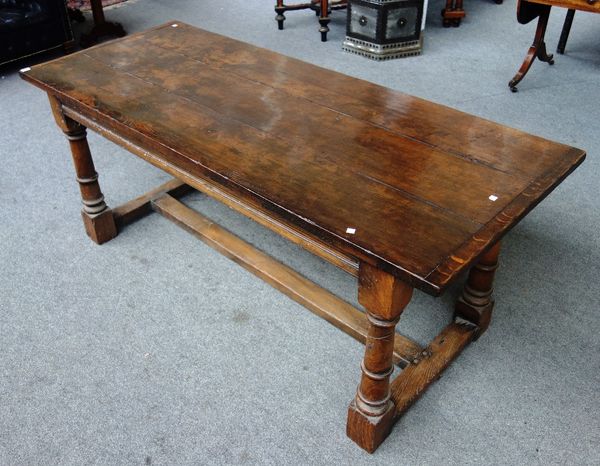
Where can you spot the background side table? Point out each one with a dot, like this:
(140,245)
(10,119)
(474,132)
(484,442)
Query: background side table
(101,28)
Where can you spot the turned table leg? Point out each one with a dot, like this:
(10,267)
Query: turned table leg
(476,302)
(324,20)
(97,217)
(537,49)
(371,414)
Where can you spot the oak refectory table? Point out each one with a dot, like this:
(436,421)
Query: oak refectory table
(398,191)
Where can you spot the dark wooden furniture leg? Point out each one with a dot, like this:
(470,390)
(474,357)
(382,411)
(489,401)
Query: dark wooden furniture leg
(564,35)
(280,17)
(69,46)
(324,20)
(75,14)
(453,13)
(537,49)
(371,413)
(97,217)
(476,302)
(101,28)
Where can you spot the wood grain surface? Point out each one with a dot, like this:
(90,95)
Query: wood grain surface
(411,187)
(591,6)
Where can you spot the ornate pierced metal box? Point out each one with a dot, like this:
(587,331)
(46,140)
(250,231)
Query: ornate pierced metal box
(384,29)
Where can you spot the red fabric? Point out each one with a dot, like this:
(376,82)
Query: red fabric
(85,4)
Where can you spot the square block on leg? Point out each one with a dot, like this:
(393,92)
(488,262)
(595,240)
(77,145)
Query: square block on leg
(480,316)
(101,227)
(369,431)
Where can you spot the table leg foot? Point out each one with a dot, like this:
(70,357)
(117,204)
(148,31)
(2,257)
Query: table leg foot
(543,55)
(100,227)
(369,431)
(476,303)
(324,19)
(324,29)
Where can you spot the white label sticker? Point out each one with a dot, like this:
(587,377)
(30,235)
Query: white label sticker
(25,70)
(493,198)
(350,231)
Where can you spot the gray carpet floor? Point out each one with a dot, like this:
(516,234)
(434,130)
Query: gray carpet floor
(154,349)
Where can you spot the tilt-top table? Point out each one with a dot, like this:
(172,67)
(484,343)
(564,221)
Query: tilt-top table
(398,191)
(528,10)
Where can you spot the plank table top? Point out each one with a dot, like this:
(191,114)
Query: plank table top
(412,187)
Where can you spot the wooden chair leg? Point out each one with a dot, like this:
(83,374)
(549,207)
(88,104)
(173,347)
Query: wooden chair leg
(537,49)
(371,414)
(97,217)
(476,302)
(564,35)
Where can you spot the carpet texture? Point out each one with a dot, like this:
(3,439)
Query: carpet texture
(154,349)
